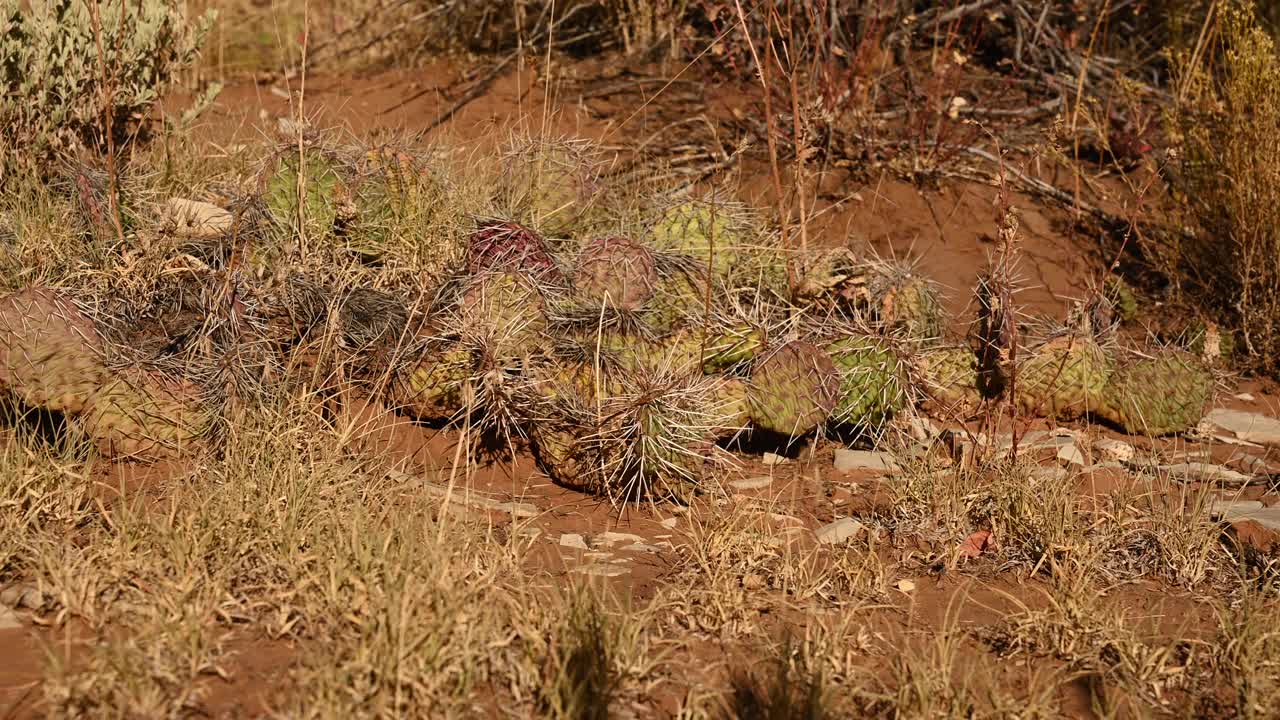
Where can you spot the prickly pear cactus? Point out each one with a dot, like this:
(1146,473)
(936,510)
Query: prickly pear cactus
(731,347)
(1063,378)
(552,185)
(502,245)
(435,390)
(793,389)
(1159,395)
(729,410)
(145,415)
(949,378)
(911,305)
(616,272)
(679,300)
(565,457)
(707,231)
(507,312)
(1123,301)
(326,192)
(50,354)
(394,197)
(872,386)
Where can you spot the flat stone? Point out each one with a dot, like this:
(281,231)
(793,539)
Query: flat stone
(1115,449)
(1253,427)
(196,219)
(643,547)
(573,540)
(610,537)
(906,586)
(9,619)
(782,519)
(772,459)
(603,569)
(669,523)
(753,483)
(838,531)
(1259,528)
(850,460)
(531,533)
(1052,442)
(1051,472)
(1071,455)
(1227,509)
(1205,471)
(1246,397)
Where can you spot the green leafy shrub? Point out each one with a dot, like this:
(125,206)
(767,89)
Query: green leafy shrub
(51,72)
(1227,124)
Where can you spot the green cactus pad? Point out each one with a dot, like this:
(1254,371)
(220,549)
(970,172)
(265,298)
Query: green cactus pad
(1063,378)
(729,409)
(793,389)
(435,389)
(732,347)
(708,232)
(145,415)
(949,378)
(871,382)
(1158,395)
(50,354)
(508,312)
(327,195)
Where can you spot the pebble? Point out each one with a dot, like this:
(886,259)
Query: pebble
(1071,455)
(753,483)
(669,523)
(1227,509)
(573,540)
(838,531)
(1253,427)
(849,460)
(772,459)
(906,586)
(610,537)
(1246,397)
(1205,471)
(642,547)
(1115,449)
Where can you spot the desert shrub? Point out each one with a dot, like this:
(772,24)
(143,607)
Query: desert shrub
(51,72)
(1226,123)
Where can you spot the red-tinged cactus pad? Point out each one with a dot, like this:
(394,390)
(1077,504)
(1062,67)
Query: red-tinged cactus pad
(793,389)
(145,415)
(616,272)
(50,354)
(499,245)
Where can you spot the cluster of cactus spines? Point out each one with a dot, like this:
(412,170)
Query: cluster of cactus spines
(141,414)
(553,185)
(794,388)
(872,382)
(50,353)
(616,272)
(1158,395)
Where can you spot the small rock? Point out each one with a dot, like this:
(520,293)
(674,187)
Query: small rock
(922,429)
(9,619)
(669,523)
(22,596)
(610,537)
(1228,509)
(1052,442)
(752,581)
(1115,449)
(1253,427)
(573,540)
(772,459)
(782,519)
(1205,471)
(753,483)
(1051,472)
(1254,534)
(1246,397)
(195,219)
(906,586)
(838,531)
(521,510)
(642,547)
(603,569)
(1064,432)
(850,460)
(1071,455)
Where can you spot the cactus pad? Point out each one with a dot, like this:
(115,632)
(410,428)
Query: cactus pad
(499,246)
(793,389)
(617,272)
(435,389)
(949,378)
(871,382)
(1158,395)
(1063,378)
(50,354)
(143,414)
(507,312)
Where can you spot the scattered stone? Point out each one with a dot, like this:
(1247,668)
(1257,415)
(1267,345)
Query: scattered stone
(603,569)
(573,540)
(906,586)
(1246,397)
(1227,509)
(1064,432)
(669,523)
(9,619)
(922,429)
(1115,449)
(838,531)
(786,519)
(610,537)
(1228,440)
(1252,427)
(1071,455)
(753,483)
(1259,529)
(850,460)
(1205,471)
(195,219)
(772,459)
(643,547)
(1052,442)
